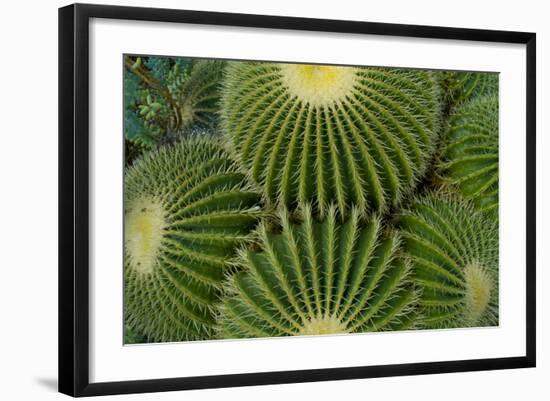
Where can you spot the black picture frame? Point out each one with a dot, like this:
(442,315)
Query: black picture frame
(74,194)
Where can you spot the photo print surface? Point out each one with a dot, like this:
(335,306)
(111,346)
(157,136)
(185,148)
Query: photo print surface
(271,199)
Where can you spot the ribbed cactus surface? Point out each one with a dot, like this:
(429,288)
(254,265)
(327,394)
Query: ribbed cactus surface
(319,278)
(187,208)
(199,95)
(454,251)
(470,157)
(463,86)
(352,137)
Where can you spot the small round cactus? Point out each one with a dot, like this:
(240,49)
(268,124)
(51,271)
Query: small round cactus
(352,137)
(187,208)
(319,278)
(454,251)
(470,156)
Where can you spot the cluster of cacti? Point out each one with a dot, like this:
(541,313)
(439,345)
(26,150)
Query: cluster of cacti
(328,200)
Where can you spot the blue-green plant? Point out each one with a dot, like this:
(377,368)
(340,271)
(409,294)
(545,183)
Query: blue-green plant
(188,207)
(314,277)
(165,98)
(352,137)
(454,252)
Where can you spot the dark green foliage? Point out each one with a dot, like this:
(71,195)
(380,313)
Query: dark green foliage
(470,156)
(133,337)
(160,67)
(187,209)
(454,251)
(136,129)
(320,278)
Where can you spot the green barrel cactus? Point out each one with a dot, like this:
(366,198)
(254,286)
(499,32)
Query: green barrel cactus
(187,208)
(470,156)
(328,134)
(454,252)
(462,86)
(198,96)
(319,278)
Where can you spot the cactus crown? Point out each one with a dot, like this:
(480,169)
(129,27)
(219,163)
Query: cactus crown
(322,325)
(319,278)
(145,227)
(188,208)
(479,289)
(318,85)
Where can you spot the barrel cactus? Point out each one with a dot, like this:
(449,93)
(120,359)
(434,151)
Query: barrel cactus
(462,86)
(454,251)
(198,95)
(353,137)
(470,156)
(187,208)
(319,278)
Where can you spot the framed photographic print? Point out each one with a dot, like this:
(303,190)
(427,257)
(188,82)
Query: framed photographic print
(249,199)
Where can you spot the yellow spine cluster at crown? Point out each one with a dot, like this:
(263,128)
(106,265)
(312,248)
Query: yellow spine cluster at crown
(323,325)
(478,292)
(144,227)
(318,85)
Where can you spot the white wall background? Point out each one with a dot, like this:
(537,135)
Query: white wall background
(28,199)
